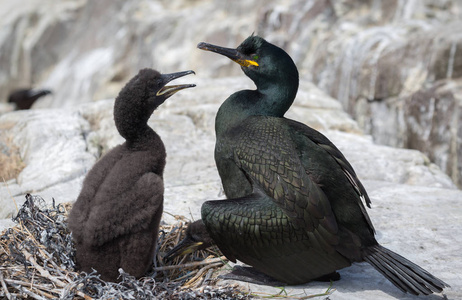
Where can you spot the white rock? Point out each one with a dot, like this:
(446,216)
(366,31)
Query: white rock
(383,163)
(53,147)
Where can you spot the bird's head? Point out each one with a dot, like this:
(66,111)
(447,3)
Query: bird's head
(151,89)
(197,238)
(271,68)
(261,61)
(141,96)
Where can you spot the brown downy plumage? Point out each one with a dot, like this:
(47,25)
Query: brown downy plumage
(115,220)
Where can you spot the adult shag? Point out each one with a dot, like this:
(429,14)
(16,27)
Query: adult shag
(294,208)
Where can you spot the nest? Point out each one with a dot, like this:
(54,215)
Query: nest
(37,261)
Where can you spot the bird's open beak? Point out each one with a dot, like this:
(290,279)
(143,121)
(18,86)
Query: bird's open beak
(232,54)
(184,247)
(169,90)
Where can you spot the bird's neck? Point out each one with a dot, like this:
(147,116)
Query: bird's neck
(137,136)
(276,98)
(269,100)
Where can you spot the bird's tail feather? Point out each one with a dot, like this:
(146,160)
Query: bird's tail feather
(38,93)
(404,274)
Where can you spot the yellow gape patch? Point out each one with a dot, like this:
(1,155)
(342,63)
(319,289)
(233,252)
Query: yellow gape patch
(246,62)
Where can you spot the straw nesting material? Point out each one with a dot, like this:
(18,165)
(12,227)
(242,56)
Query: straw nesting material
(37,261)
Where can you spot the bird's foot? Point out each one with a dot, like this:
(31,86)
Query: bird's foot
(251,275)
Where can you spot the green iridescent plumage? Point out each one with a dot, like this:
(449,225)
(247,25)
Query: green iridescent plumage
(295,207)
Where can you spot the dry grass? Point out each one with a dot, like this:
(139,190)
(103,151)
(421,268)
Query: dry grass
(11,163)
(37,262)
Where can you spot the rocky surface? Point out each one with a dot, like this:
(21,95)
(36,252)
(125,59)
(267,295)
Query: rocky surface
(429,120)
(394,65)
(397,70)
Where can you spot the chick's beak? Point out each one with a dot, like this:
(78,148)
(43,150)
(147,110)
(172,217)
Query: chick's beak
(186,246)
(168,91)
(231,53)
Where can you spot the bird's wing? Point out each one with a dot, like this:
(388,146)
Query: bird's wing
(309,135)
(256,231)
(132,211)
(267,154)
(84,204)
